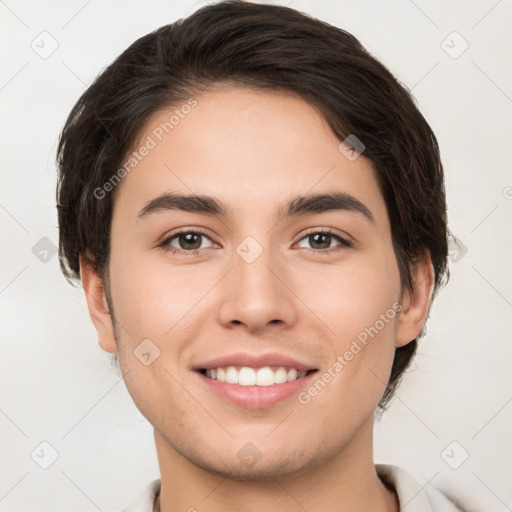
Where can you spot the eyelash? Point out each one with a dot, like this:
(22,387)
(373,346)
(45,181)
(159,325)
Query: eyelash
(164,245)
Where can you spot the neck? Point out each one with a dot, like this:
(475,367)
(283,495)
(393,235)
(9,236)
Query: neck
(346,481)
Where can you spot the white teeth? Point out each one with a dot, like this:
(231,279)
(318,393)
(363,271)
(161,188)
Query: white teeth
(231,375)
(293,374)
(265,377)
(247,376)
(280,376)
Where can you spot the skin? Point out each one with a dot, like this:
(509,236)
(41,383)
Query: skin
(254,150)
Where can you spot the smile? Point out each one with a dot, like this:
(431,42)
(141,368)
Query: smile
(247,376)
(264,390)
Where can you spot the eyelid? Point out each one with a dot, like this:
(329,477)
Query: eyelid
(189,229)
(345,241)
(328,231)
(165,240)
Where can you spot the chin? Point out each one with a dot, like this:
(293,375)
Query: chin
(249,463)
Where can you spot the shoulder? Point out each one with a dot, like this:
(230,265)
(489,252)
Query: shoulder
(145,500)
(411,494)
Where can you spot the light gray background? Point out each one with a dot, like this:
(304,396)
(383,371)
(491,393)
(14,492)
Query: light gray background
(57,385)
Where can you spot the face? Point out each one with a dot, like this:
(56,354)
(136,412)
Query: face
(319,287)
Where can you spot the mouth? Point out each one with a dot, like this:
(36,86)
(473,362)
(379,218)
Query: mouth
(248,376)
(254,388)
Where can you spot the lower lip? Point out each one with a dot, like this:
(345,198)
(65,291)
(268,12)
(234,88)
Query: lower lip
(256,397)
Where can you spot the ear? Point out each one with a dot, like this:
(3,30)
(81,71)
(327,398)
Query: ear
(416,303)
(97,304)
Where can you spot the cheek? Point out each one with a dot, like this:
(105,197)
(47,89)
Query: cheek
(155,388)
(361,310)
(150,297)
(354,294)
(358,369)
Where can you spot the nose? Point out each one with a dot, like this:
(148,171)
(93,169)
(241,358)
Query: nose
(256,294)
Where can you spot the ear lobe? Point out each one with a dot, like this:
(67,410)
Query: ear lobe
(416,303)
(97,304)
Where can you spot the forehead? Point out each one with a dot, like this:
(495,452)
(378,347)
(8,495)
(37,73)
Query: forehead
(248,148)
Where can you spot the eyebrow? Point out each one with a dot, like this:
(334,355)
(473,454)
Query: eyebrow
(297,206)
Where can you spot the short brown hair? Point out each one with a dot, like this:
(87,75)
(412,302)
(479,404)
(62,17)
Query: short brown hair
(266,47)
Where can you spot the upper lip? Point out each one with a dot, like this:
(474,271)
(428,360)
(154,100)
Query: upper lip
(254,361)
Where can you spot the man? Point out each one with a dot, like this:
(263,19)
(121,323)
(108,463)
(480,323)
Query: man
(256,210)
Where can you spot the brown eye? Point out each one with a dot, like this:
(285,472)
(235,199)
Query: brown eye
(189,241)
(321,241)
